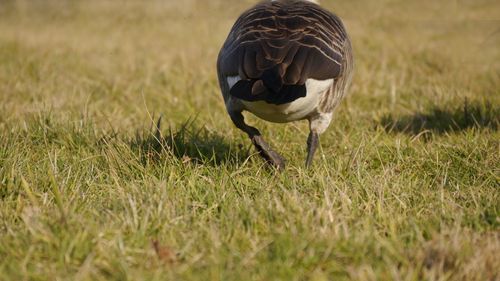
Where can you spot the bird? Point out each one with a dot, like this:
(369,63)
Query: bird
(285,61)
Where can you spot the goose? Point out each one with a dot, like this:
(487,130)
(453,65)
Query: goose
(285,61)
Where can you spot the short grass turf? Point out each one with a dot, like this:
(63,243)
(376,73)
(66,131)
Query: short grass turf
(404,187)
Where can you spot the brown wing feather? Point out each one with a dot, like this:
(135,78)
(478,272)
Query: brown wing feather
(300,38)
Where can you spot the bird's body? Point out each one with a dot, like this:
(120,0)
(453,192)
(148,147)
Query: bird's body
(285,61)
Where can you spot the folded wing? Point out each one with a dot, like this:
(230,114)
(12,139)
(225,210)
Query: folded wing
(276,46)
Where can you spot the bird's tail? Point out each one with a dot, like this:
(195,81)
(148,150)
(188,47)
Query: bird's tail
(269,87)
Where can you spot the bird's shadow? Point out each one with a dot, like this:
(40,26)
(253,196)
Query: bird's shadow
(439,120)
(189,143)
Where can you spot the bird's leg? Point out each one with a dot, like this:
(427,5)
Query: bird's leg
(263,148)
(317,125)
(312,145)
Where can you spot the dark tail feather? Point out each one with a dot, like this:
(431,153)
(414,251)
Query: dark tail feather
(269,88)
(288,93)
(243,90)
(272,80)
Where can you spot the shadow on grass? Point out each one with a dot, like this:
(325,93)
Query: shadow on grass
(189,143)
(440,121)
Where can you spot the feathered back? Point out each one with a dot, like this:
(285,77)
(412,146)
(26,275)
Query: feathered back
(282,44)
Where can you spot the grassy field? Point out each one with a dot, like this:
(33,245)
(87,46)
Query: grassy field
(405,185)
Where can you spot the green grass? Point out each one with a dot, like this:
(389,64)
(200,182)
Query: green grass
(404,187)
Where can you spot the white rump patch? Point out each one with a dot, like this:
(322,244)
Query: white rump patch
(232,80)
(316,87)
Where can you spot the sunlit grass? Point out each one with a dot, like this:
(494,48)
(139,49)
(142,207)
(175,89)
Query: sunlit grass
(404,187)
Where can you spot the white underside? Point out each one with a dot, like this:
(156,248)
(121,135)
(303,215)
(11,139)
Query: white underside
(298,109)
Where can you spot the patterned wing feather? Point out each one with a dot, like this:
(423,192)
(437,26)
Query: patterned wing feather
(292,40)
